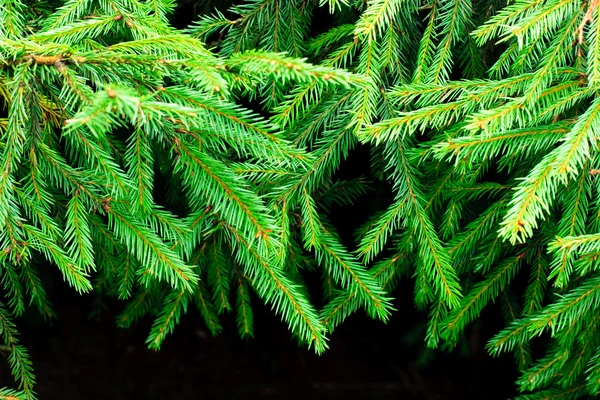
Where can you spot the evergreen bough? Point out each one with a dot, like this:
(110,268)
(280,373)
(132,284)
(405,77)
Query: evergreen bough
(149,166)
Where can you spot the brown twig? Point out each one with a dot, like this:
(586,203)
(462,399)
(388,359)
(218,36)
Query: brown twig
(586,18)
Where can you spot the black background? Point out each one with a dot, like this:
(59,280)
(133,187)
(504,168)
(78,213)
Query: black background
(78,357)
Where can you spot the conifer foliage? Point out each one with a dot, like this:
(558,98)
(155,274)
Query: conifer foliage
(148,165)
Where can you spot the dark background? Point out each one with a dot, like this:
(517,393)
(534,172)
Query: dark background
(78,357)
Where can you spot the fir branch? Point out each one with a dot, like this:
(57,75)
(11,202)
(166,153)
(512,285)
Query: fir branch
(18,357)
(175,303)
(275,288)
(245,318)
(160,261)
(481,294)
(534,196)
(434,259)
